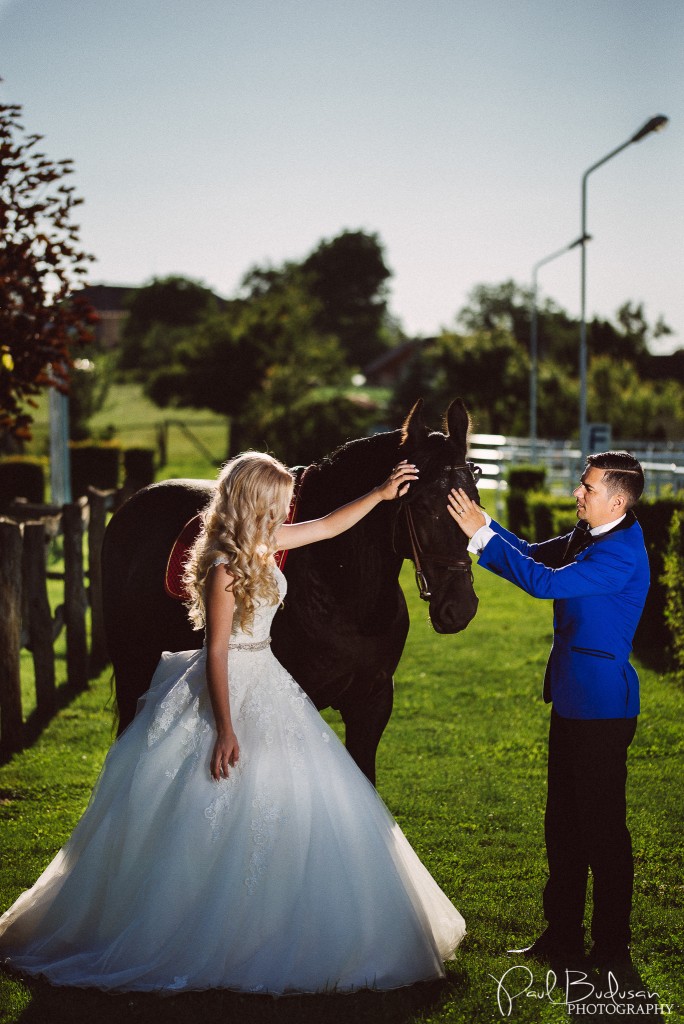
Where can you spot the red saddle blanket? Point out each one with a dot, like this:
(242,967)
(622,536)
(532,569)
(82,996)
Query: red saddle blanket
(173,578)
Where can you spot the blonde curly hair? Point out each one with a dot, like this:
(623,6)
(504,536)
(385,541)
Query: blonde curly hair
(240,522)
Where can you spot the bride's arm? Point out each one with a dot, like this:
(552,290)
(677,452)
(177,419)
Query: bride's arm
(295,535)
(220,607)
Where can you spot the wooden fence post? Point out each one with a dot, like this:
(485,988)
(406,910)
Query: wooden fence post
(11,720)
(98,501)
(75,597)
(40,623)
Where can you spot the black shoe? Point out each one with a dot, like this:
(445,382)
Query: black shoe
(620,985)
(553,949)
(615,960)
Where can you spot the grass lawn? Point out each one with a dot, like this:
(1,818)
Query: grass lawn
(462,767)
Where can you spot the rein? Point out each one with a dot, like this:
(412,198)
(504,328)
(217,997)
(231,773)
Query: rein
(420,555)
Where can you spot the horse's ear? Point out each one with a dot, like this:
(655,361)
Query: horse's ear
(457,421)
(414,428)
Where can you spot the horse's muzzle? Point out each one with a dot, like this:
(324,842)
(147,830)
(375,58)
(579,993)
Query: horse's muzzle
(453,607)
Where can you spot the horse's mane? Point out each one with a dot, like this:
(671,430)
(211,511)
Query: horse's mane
(350,471)
(357,466)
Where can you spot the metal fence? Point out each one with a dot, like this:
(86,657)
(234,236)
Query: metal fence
(663,462)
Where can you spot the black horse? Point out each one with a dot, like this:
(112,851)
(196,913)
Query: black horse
(343,625)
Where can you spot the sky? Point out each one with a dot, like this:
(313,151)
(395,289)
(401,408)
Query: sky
(210,136)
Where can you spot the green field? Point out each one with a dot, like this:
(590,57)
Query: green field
(197,438)
(462,767)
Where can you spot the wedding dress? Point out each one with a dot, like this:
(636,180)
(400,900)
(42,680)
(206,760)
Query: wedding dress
(290,875)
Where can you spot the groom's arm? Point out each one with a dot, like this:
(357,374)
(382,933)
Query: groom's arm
(548,552)
(606,571)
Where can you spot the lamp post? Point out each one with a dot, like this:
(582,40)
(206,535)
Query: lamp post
(655,124)
(534,360)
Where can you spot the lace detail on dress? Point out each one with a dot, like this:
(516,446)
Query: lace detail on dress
(178,700)
(217,809)
(268,818)
(196,728)
(258,705)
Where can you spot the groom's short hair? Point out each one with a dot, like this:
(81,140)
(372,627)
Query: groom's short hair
(622,472)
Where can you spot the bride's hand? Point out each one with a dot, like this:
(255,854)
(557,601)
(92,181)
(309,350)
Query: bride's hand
(226,755)
(398,482)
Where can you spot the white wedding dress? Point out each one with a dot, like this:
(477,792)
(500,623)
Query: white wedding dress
(288,876)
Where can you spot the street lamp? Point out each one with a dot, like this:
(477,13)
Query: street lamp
(654,125)
(533,339)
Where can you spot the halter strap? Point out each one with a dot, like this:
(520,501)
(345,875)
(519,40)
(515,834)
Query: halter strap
(456,565)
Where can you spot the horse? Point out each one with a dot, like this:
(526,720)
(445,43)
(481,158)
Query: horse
(342,627)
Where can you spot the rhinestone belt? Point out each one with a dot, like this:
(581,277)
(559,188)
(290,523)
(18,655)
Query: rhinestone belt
(258,645)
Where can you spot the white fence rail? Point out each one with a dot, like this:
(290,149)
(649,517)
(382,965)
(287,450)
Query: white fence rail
(663,462)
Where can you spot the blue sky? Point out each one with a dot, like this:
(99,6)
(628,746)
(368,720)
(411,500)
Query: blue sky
(212,135)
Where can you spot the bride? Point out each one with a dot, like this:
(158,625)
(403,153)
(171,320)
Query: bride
(231,841)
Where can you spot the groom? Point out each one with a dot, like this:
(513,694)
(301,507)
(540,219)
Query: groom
(598,577)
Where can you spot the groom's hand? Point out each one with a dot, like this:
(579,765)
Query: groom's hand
(465,512)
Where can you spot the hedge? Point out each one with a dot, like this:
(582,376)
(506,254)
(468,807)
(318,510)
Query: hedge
(673,580)
(653,640)
(550,515)
(22,476)
(138,467)
(94,465)
(522,481)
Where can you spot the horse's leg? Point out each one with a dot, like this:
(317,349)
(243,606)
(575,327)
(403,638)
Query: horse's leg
(366,707)
(132,678)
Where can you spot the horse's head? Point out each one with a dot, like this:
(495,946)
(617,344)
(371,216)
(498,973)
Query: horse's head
(424,530)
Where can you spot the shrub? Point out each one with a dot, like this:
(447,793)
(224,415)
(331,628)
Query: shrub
(522,481)
(22,476)
(517,514)
(94,465)
(550,515)
(673,581)
(526,478)
(652,639)
(138,467)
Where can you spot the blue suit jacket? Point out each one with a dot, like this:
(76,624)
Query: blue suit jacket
(598,600)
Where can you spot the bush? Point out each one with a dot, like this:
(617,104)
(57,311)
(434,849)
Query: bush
(652,640)
(522,481)
(312,426)
(526,478)
(517,514)
(673,581)
(138,467)
(22,476)
(94,465)
(550,515)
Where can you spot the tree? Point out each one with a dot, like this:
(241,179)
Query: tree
(157,316)
(89,384)
(42,319)
(348,276)
(491,307)
(261,352)
(317,422)
(635,408)
(490,371)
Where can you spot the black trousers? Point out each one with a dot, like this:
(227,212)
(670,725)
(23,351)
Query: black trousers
(586,828)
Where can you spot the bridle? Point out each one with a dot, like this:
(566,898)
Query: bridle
(421,555)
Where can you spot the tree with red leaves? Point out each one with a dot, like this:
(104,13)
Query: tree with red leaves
(42,319)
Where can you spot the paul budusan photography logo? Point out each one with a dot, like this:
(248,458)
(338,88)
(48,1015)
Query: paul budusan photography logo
(578,993)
